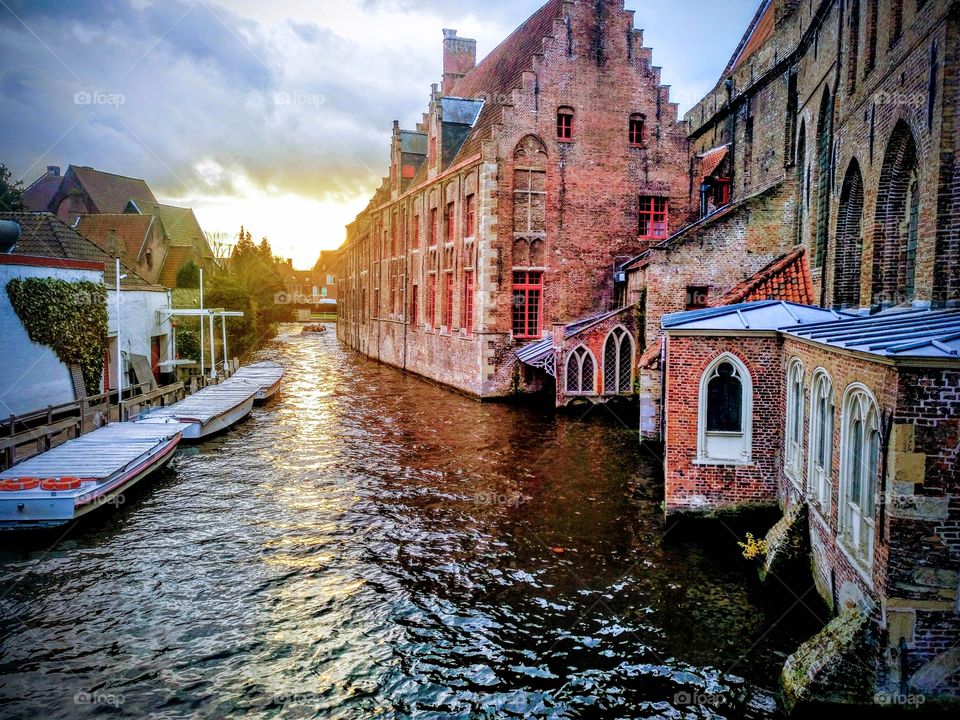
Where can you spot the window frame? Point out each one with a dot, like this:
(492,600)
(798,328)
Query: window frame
(580,354)
(820,477)
(565,123)
(431,301)
(621,336)
(650,211)
(858,519)
(451,213)
(793,432)
(448,301)
(739,445)
(636,136)
(470,216)
(526,288)
(467,308)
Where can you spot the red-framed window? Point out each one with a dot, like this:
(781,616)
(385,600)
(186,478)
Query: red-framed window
(450,222)
(416,231)
(636,129)
(470,217)
(565,123)
(433,226)
(527,303)
(414,310)
(467,306)
(653,217)
(721,191)
(448,301)
(431,300)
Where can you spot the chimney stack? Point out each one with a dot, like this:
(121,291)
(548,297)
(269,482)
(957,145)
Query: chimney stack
(459,58)
(53,170)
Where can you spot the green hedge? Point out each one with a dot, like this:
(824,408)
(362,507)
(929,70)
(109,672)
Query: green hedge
(70,317)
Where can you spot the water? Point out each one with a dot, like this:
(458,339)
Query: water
(368,545)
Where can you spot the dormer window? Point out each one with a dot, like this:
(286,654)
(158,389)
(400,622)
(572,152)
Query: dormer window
(636,129)
(565,123)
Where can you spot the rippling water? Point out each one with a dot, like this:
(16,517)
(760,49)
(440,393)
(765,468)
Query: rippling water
(368,545)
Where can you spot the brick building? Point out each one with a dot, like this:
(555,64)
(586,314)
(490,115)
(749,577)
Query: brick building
(836,121)
(509,209)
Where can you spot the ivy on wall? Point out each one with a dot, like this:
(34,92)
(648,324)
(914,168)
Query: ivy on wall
(70,317)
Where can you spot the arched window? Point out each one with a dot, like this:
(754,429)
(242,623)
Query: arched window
(618,362)
(846,278)
(859,465)
(725,412)
(802,184)
(820,468)
(580,372)
(824,150)
(795,392)
(896,223)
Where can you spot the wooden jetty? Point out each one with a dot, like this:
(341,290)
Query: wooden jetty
(265,374)
(210,410)
(85,473)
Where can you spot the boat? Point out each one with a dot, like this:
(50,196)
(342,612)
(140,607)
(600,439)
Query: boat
(210,410)
(265,374)
(86,473)
(313,329)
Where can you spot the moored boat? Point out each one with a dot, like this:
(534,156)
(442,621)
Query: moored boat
(267,375)
(210,410)
(83,474)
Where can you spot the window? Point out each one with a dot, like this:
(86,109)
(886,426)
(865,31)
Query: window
(467,306)
(853,47)
(414,310)
(698,297)
(896,21)
(636,129)
(375,311)
(820,449)
(448,301)
(431,318)
(470,219)
(394,235)
(859,465)
(433,226)
(653,217)
(527,303)
(450,222)
(529,201)
(872,11)
(416,231)
(849,251)
(580,372)
(824,180)
(721,191)
(912,223)
(794,451)
(725,412)
(565,123)
(618,362)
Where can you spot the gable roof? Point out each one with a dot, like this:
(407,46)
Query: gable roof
(129,231)
(181,225)
(711,159)
(40,192)
(109,192)
(786,278)
(177,256)
(43,234)
(757,33)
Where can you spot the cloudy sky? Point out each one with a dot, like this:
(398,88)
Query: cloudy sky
(276,114)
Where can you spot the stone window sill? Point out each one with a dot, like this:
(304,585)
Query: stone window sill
(723,461)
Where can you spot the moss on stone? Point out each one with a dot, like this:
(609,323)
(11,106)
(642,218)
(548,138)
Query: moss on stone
(787,544)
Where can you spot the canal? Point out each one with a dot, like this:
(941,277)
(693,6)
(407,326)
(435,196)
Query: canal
(368,545)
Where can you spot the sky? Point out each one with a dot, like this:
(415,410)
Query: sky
(273,114)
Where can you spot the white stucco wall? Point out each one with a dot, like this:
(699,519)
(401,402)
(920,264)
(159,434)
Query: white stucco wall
(31,375)
(138,325)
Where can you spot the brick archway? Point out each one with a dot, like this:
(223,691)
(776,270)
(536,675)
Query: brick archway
(847,260)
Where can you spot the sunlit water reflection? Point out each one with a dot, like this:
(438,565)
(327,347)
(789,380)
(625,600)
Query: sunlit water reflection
(370,545)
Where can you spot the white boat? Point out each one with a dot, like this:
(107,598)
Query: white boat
(83,474)
(265,374)
(210,410)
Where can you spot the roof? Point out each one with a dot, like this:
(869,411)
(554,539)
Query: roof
(711,159)
(181,225)
(40,192)
(538,349)
(177,257)
(43,234)
(764,315)
(501,70)
(758,32)
(413,142)
(786,278)
(894,333)
(130,231)
(110,192)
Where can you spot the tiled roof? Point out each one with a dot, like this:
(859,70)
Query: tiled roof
(758,32)
(40,192)
(129,231)
(109,192)
(933,334)
(711,159)
(177,257)
(787,278)
(43,234)
(181,225)
(500,72)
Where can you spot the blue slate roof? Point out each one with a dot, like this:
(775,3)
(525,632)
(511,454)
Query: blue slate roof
(758,315)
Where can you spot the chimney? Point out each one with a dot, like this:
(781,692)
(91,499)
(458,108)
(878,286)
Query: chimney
(459,58)
(53,170)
